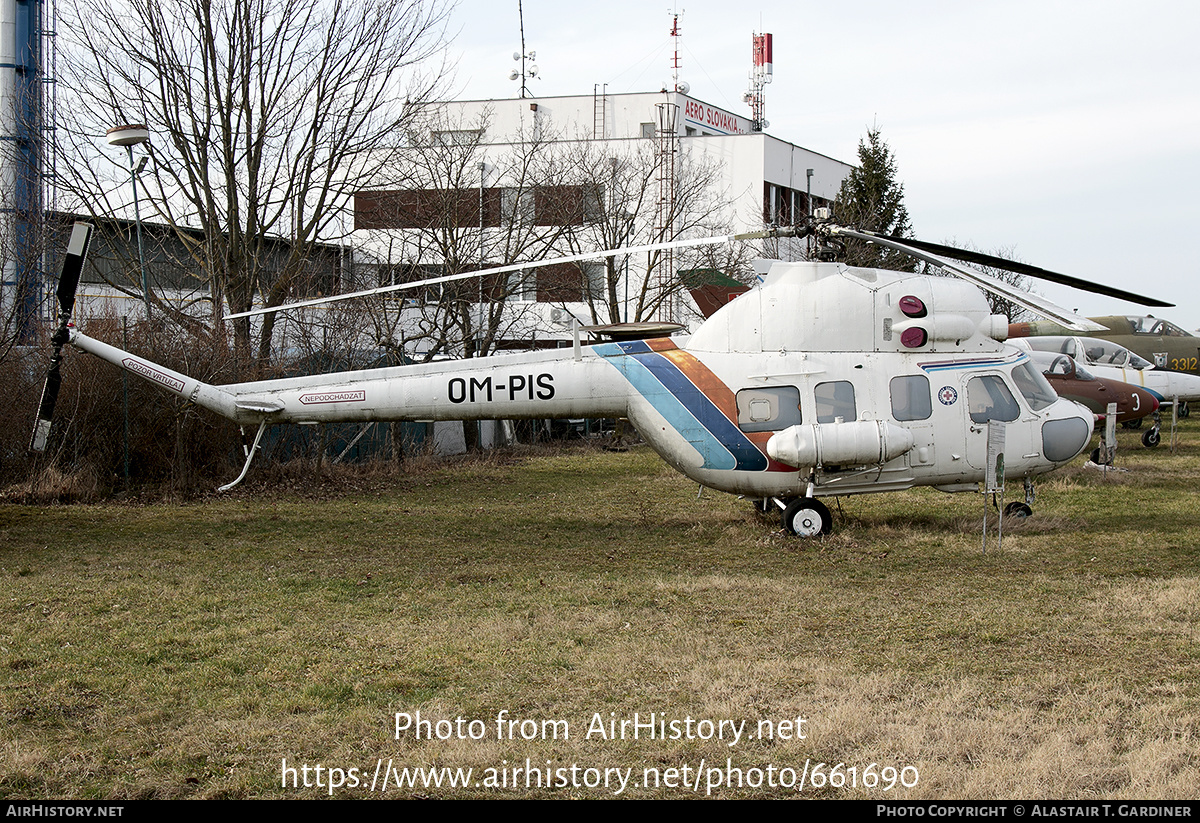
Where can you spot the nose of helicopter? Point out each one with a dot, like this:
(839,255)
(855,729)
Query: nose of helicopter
(1067,431)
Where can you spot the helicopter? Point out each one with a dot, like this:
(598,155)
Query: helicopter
(822,380)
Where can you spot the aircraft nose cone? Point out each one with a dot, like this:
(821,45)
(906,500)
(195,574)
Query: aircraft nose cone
(1065,437)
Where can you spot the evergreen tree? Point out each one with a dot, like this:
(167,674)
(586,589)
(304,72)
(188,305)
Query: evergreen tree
(872,199)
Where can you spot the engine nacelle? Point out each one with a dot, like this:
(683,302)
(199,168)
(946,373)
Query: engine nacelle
(861,442)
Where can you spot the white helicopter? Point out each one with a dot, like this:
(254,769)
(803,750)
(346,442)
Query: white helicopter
(823,380)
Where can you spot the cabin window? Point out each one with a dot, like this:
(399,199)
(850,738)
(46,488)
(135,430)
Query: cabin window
(1033,386)
(836,400)
(910,397)
(990,399)
(768,409)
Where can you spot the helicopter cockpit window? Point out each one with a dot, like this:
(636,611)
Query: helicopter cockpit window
(990,399)
(910,397)
(834,400)
(768,409)
(1034,386)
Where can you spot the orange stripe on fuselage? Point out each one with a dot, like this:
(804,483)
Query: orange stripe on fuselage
(715,390)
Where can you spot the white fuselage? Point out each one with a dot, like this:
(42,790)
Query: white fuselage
(852,379)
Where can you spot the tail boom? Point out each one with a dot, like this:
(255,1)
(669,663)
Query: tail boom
(534,385)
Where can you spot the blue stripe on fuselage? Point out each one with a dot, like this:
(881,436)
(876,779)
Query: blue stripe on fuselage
(687,409)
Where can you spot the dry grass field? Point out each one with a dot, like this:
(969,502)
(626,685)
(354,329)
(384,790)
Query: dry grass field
(204,649)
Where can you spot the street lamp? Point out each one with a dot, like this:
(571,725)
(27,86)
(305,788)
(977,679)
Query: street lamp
(129,136)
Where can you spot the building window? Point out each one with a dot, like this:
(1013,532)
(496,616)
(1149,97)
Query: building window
(522,286)
(648,130)
(595,281)
(457,137)
(518,206)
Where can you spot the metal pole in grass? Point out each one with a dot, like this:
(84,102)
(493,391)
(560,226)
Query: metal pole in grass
(131,135)
(1174,421)
(125,393)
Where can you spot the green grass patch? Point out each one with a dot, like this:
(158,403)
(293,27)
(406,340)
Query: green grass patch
(186,650)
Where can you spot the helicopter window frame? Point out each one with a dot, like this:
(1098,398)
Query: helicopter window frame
(768,409)
(911,397)
(990,398)
(835,398)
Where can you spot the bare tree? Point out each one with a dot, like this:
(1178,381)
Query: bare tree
(264,116)
(1020,282)
(456,204)
(622,187)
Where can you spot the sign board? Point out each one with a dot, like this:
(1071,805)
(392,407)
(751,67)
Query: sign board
(994,479)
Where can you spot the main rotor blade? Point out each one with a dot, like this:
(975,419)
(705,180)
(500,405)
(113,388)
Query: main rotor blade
(1034,303)
(981,259)
(533,264)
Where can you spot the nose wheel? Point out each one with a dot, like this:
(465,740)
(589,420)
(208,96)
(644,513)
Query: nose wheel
(807,517)
(1018,510)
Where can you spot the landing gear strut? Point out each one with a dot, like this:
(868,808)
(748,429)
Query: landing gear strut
(802,516)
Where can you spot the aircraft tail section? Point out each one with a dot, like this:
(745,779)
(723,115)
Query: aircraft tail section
(529,385)
(189,388)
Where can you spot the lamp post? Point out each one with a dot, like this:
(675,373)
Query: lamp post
(129,136)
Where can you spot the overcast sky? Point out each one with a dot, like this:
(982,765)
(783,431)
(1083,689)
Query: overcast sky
(1064,132)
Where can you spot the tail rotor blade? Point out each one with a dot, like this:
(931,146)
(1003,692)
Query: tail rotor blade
(41,426)
(68,285)
(68,281)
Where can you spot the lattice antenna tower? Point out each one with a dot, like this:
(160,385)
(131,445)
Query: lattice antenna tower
(761,70)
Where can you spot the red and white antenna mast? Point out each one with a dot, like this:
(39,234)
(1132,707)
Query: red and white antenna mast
(676,33)
(760,75)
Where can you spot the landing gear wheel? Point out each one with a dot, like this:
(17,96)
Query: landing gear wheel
(807,517)
(1151,438)
(1017,509)
(1184,411)
(1099,457)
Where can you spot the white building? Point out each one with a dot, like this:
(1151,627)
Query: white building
(468,182)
